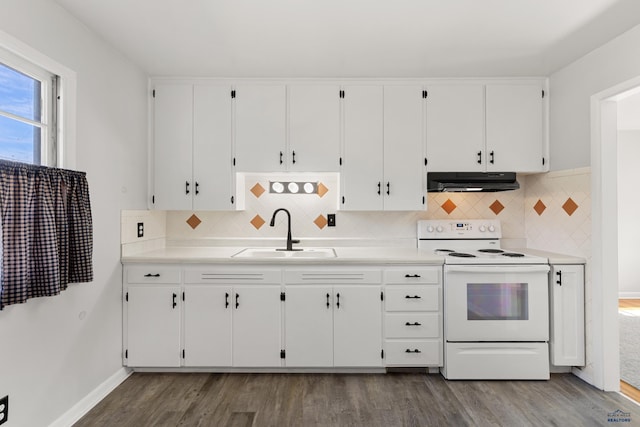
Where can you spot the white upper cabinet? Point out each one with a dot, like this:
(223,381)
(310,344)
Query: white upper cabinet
(192,147)
(314,128)
(362,158)
(404,163)
(496,127)
(383,152)
(515,131)
(260,128)
(455,128)
(173,138)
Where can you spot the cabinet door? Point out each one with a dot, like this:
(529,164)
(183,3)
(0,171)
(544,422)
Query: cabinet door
(567,340)
(357,327)
(362,172)
(314,128)
(256,326)
(207,325)
(455,128)
(404,169)
(309,326)
(212,157)
(260,113)
(153,326)
(514,128)
(172,136)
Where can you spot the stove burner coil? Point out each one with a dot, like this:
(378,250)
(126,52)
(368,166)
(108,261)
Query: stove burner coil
(491,251)
(512,255)
(461,255)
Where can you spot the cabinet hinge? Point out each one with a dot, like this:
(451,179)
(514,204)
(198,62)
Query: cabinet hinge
(382,354)
(381,296)
(233,93)
(282,296)
(126,354)
(282,354)
(153,93)
(126,297)
(543,93)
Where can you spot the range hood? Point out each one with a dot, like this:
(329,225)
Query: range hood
(471,181)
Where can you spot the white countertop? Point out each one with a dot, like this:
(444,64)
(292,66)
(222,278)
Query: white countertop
(344,255)
(554,258)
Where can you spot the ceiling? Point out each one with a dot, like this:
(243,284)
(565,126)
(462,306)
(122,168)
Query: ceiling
(355,38)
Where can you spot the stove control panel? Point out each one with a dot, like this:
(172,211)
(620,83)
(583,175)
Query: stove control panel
(460,229)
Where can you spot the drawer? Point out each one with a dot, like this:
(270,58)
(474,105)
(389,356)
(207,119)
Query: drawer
(152,274)
(232,276)
(337,277)
(413,353)
(412,298)
(410,275)
(412,325)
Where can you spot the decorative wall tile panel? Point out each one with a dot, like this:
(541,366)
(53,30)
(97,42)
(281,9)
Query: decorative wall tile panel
(257,222)
(257,190)
(539,207)
(194,221)
(320,221)
(322,189)
(496,207)
(448,206)
(569,206)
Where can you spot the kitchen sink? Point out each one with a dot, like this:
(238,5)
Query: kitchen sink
(276,253)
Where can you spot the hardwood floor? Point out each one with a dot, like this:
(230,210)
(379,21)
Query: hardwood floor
(393,399)
(626,388)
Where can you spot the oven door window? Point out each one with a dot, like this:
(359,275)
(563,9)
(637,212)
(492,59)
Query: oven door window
(497,301)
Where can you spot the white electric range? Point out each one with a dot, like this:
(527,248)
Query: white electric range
(496,309)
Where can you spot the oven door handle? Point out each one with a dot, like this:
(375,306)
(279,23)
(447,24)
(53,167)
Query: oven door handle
(538,268)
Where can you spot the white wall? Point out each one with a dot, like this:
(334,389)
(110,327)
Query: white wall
(628,208)
(570,91)
(54,351)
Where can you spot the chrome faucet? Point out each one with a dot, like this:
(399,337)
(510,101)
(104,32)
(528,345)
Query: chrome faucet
(290,242)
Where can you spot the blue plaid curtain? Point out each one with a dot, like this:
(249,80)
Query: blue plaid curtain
(47,232)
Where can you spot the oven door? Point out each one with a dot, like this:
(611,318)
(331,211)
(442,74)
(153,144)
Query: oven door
(496,303)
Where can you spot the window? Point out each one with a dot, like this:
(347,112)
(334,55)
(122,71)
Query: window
(28,111)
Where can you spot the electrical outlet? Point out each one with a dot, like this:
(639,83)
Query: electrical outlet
(331,220)
(4,409)
(141,229)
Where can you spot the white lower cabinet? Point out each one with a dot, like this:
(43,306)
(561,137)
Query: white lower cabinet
(566,300)
(413,317)
(153,325)
(330,324)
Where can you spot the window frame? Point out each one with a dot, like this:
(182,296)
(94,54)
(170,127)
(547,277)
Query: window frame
(64,119)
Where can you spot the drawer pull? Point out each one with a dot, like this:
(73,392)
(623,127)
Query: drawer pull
(174,303)
(328,305)
(237,301)
(417,276)
(412,351)
(413,297)
(338,302)
(413,324)
(152,275)
(226,300)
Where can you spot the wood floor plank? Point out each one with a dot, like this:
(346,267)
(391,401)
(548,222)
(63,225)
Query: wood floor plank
(394,399)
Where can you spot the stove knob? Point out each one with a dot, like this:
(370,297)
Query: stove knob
(430,229)
(439,229)
(482,228)
(492,228)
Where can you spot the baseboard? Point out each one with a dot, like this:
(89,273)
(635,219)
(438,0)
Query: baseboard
(92,399)
(628,295)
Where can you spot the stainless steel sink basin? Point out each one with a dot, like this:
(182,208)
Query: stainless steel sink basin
(275,253)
